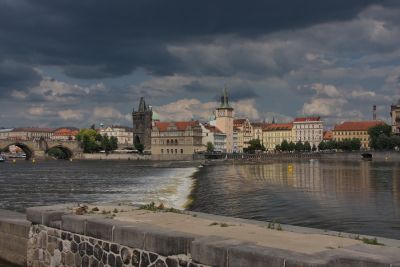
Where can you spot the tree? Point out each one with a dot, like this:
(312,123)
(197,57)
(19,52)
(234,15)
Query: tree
(384,142)
(139,147)
(210,147)
(355,144)
(254,145)
(375,132)
(307,146)
(114,142)
(278,148)
(314,148)
(292,146)
(105,143)
(299,146)
(87,139)
(285,145)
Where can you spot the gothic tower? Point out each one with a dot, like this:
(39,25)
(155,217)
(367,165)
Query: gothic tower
(142,124)
(224,120)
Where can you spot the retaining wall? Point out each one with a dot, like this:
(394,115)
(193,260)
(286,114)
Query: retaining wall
(14,230)
(53,236)
(114,156)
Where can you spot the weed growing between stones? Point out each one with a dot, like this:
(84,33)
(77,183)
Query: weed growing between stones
(115,211)
(152,207)
(274,225)
(220,224)
(95,209)
(371,241)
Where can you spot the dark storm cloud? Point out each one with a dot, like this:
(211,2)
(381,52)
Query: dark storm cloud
(16,76)
(99,38)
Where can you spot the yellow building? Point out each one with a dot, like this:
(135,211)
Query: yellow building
(354,129)
(176,140)
(245,133)
(275,134)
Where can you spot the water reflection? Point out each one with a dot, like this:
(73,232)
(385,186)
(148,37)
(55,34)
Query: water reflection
(353,196)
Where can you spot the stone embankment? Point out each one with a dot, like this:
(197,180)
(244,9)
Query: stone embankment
(120,236)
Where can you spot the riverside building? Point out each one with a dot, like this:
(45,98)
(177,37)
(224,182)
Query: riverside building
(123,134)
(354,129)
(275,134)
(395,117)
(308,129)
(245,133)
(176,140)
(215,136)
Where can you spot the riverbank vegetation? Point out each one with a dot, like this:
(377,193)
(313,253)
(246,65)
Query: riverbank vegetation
(92,142)
(382,138)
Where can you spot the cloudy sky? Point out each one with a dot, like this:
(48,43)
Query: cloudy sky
(74,63)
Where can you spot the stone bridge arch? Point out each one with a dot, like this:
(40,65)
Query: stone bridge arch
(29,151)
(68,152)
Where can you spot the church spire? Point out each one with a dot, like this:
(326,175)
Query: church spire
(224,99)
(142,105)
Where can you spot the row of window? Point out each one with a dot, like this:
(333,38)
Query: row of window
(171,151)
(308,126)
(352,133)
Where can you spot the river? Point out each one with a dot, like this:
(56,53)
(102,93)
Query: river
(344,195)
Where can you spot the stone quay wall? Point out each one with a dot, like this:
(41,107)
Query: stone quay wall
(113,156)
(14,232)
(55,236)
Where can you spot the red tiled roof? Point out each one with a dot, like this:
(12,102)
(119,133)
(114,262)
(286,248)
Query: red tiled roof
(238,121)
(357,125)
(33,129)
(279,127)
(65,132)
(328,135)
(180,125)
(307,119)
(212,129)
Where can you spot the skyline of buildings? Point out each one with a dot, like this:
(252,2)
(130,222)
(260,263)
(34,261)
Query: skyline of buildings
(227,132)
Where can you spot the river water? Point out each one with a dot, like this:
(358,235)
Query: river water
(351,196)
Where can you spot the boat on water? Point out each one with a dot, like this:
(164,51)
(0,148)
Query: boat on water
(366,156)
(2,159)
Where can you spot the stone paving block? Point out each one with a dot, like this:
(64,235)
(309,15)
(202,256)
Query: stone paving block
(213,250)
(45,215)
(74,223)
(167,242)
(100,228)
(130,235)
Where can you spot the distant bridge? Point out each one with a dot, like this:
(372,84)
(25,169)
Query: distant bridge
(41,147)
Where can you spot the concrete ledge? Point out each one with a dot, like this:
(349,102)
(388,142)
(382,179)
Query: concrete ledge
(73,223)
(46,214)
(213,250)
(166,242)
(14,233)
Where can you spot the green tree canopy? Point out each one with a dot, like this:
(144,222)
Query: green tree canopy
(374,134)
(210,147)
(285,145)
(299,146)
(307,146)
(254,145)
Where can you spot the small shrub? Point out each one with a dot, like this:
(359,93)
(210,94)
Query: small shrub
(95,209)
(279,227)
(223,224)
(151,206)
(213,224)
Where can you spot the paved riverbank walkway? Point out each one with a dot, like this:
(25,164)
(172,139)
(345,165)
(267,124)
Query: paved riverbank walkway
(301,240)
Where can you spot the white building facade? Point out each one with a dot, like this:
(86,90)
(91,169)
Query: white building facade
(308,129)
(215,136)
(122,133)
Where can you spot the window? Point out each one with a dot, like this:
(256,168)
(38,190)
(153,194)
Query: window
(176,151)
(167,151)
(162,151)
